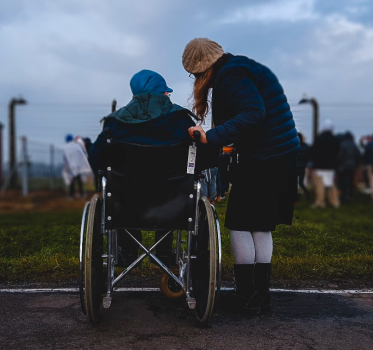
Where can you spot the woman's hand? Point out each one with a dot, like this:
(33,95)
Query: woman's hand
(200,129)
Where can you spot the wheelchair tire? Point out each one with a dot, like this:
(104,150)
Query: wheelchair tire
(204,263)
(83,230)
(93,274)
(169,287)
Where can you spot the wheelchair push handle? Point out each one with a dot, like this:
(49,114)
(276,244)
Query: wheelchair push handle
(197,136)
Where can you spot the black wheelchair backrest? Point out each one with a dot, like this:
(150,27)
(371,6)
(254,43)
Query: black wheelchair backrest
(149,187)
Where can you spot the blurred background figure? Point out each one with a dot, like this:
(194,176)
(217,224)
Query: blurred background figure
(303,158)
(76,166)
(368,157)
(87,144)
(349,158)
(364,142)
(324,156)
(208,184)
(88,179)
(79,140)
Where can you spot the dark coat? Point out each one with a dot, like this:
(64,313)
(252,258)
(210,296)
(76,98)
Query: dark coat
(166,129)
(250,109)
(324,153)
(368,155)
(349,155)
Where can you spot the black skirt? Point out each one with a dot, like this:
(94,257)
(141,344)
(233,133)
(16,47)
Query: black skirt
(263,194)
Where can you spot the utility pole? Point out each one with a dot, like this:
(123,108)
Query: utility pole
(315,108)
(114,106)
(51,176)
(12,140)
(1,154)
(24,167)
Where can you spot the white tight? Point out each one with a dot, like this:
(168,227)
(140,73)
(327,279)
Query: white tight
(251,247)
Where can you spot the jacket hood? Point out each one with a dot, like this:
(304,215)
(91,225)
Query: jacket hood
(145,106)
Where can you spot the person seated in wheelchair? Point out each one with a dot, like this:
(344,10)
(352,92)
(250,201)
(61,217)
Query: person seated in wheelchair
(150,118)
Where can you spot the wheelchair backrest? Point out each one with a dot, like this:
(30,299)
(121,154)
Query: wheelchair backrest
(149,187)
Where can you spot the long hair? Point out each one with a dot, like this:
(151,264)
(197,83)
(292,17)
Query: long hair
(202,86)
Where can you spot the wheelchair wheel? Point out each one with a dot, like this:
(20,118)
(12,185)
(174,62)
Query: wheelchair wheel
(204,262)
(81,258)
(169,287)
(94,280)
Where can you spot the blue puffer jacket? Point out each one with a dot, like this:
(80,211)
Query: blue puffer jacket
(250,109)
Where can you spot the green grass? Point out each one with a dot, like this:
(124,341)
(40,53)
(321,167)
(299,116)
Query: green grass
(323,244)
(40,246)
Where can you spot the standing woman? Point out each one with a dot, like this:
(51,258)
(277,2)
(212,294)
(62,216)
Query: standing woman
(249,109)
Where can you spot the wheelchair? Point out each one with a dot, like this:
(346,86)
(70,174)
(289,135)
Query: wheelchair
(151,188)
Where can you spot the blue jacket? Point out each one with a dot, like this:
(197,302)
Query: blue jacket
(250,109)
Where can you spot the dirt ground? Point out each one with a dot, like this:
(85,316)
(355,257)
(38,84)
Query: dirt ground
(39,201)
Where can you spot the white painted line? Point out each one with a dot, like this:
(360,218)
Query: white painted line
(40,290)
(276,290)
(324,291)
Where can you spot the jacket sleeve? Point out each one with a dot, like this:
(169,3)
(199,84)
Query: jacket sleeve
(242,98)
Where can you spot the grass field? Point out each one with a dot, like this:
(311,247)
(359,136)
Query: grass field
(323,244)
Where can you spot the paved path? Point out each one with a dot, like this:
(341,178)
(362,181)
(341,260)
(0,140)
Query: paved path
(149,321)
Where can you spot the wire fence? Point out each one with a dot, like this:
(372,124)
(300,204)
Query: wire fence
(50,122)
(39,164)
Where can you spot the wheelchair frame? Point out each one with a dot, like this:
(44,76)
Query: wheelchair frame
(183,258)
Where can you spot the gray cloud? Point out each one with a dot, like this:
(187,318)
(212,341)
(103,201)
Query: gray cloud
(86,51)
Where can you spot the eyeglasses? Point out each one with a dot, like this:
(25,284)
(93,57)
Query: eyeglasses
(194,75)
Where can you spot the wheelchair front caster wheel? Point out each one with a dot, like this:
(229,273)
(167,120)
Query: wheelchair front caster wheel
(169,287)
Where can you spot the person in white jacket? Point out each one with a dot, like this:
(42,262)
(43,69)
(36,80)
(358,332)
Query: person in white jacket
(76,166)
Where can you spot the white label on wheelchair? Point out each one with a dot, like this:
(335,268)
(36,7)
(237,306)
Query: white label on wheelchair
(191,159)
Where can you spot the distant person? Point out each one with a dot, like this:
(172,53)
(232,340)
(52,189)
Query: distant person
(369,165)
(87,179)
(324,156)
(364,142)
(348,161)
(250,110)
(87,144)
(79,140)
(76,166)
(208,184)
(303,158)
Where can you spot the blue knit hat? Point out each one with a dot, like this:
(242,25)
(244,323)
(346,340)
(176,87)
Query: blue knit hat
(148,81)
(69,137)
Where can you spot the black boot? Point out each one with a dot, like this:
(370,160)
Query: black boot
(261,299)
(244,290)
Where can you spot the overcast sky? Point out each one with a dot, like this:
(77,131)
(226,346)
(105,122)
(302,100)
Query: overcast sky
(61,53)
